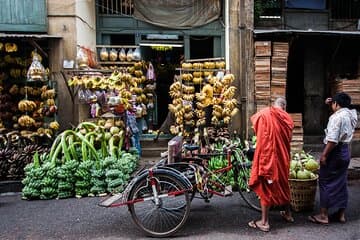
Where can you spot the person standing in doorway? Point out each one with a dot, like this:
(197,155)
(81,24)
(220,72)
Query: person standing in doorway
(132,129)
(335,159)
(270,169)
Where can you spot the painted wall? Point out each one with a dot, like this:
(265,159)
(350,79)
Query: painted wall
(74,21)
(86,23)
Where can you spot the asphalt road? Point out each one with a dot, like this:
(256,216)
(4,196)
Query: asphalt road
(224,218)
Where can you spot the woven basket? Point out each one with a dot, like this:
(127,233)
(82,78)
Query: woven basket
(303,193)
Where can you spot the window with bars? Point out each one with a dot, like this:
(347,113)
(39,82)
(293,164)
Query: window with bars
(115,7)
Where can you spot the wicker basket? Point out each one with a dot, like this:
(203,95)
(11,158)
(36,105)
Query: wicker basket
(303,193)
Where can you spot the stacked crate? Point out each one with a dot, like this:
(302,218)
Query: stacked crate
(270,71)
(279,69)
(297,142)
(262,74)
(350,86)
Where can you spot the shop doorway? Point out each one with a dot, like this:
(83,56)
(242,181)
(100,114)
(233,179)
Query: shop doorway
(201,47)
(165,61)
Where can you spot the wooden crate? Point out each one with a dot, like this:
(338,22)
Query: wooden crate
(263,48)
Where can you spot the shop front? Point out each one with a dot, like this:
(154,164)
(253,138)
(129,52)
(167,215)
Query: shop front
(167,35)
(319,63)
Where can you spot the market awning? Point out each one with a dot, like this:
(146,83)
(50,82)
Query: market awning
(305,32)
(37,36)
(31,38)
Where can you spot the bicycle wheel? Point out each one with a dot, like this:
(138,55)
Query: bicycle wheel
(165,218)
(243,168)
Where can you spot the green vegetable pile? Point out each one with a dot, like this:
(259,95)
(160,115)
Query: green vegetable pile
(86,161)
(218,162)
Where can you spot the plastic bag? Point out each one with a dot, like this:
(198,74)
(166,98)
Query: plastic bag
(150,74)
(130,55)
(122,55)
(104,55)
(137,54)
(82,58)
(113,55)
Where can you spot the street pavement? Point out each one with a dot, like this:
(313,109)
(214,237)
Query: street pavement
(222,218)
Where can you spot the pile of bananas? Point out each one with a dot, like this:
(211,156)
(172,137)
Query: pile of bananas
(188,107)
(27,106)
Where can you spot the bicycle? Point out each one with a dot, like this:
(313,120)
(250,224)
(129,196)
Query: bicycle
(211,182)
(159,198)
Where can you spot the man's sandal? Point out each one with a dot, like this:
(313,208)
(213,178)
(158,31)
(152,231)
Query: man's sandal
(254,224)
(315,219)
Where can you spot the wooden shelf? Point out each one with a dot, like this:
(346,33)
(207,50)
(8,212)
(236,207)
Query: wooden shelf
(117,63)
(200,69)
(116,46)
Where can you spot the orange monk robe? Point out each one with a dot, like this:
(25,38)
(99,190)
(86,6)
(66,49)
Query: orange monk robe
(273,129)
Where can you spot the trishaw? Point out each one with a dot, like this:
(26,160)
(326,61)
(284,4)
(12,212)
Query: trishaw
(159,197)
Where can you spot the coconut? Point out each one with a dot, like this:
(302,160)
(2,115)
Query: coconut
(311,165)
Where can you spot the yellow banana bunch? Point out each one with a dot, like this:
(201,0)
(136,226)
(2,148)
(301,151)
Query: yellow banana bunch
(189,122)
(231,104)
(180,113)
(200,122)
(200,105)
(188,107)
(229,93)
(48,94)
(200,96)
(177,101)
(26,106)
(50,102)
(188,89)
(186,65)
(199,113)
(198,80)
(228,79)
(138,73)
(220,64)
(218,87)
(176,86)
(227,119)
(197,74)
(15,72)
(26,121)
(11,47)
(215,121)
(74,81)
(198,65)
(188,115)
(138,65)
(209,65)
(48,132)
(54,125)
(226,112)
(186,77)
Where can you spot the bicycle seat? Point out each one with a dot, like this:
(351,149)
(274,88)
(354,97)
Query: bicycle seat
(191,147)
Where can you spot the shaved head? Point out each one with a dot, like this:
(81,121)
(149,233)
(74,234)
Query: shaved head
(280,102)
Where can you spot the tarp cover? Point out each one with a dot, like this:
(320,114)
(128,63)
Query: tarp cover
(313,4)
(180,14)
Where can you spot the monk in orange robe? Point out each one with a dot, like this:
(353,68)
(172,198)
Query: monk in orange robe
(270,169)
